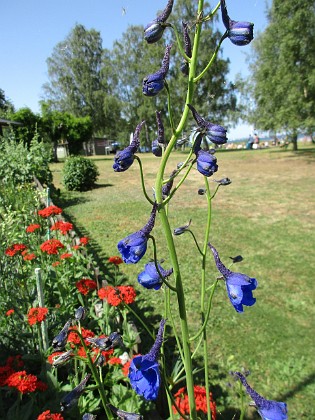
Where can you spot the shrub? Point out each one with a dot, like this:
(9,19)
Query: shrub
(79,173)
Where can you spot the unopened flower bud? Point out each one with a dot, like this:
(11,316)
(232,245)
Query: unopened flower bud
(154,83)
(154,30)
(182,229)
(239,33)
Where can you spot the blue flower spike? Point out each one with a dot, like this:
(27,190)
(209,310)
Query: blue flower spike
(144,372)
(154,83)
(134,246)
(125,158)
(239,286)
(184,67)
(216,133)
(239,33)
(154,30)
(150,277)
(267,409)
(121,414)
(73,396)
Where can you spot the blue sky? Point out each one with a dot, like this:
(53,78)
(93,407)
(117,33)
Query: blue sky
(30,30)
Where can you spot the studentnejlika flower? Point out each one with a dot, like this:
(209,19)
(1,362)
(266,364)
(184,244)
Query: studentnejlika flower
(239,33)
(144,373)
(134,246)
(51,246)
(154,83)
(268,409)
(49,211)
(239,286)
(84,286)
(124,159)
(150,277)
(36,315)
(154,30)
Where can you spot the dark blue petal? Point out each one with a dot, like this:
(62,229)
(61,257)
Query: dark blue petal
(241,33)
(156,148)
(133,247)
(216,133)
(152,85)
(144,377)
(275,411)
(206,163)
(153,31)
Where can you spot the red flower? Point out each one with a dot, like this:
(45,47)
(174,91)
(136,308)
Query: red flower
(54,264)
(86,285)
(84,240)
(115,260)
(14,249)
(181,399)
(74,339)
(116,295)
(115,361)
(49,211)
(22,381)
(32,228)
(51,246)
(64,227)
(15,362)
(76,247)
(29,257)
(47,415)
(52,356)
(37,315)
(65,256)
(9,312)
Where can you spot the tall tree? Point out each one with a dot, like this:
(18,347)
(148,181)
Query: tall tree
(75,82)
(283,70)
(6,105)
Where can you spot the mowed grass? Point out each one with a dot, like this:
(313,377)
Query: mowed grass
(267,215)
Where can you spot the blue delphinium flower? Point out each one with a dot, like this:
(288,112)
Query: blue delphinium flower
(144,373)
(134,246)
(150,277)
(72,397)
(124,159)
(239,33)
(60,340)
(268,409)
(239,286)
(154,83)
(206,163)
(154,30)
(216,133)
(184,67)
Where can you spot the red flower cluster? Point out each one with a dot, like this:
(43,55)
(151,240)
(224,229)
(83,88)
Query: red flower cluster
(14,249)
(32,228)
(115,260)
(51,246)
(47,415)
(49,211)
(84,240)
(116,295)
(115,361)
(27,256)
(25,383)
(84,286)
(9,312)
(36,315)
(65,256)
(74,339)
(64,227)
(181,399)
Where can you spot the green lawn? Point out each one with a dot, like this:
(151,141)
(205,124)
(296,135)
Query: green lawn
(267,215)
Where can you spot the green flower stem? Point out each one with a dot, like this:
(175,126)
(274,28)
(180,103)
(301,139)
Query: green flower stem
(170,113)
(213,12)
(179,43)
(211,59)
(176,378)
(167,229)
(202,298)
(142,180)
(157,267)
(140,320)
(179,184)
(216,190)
(41,303)
(96,378)
(195,239)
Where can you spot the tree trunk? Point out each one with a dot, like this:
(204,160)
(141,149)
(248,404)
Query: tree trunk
(294,138)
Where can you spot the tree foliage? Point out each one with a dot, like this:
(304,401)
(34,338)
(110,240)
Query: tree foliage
(283,70)
(5,105)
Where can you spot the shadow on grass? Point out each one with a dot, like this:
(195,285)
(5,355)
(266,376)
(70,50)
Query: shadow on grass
(308,380)
(96,186)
